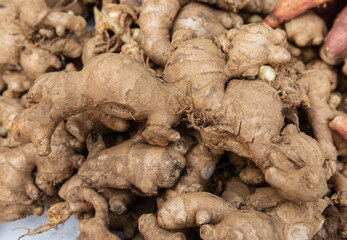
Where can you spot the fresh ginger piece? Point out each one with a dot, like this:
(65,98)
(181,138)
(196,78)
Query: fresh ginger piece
(36,14)
(264,198)
(155,22)
(205,21)
(261,6)
(289,9)
(200,165)
(245,225)
(230,5)
(334,50)
(306,30)
(82,124)
(9,108)
(150,229)
(317,83)
(118,166)
(36,61)
(252,176)
(17,83)
(68,47)
(107,73)
(118,199)
(192,210)
(250,47)
(235,192)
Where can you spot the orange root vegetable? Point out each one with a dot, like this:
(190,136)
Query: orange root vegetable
(306,30)
(36,61)
(250,47)
(317,83)
(150,229)
(117,167)
(192,210)
(82,124)
(252,176)
(334,50)
(236,192)
(155,21)
(204,21)
(339,124)
(108,73)
(288,9)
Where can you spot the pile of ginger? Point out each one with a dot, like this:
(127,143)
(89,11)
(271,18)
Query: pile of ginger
(175,119)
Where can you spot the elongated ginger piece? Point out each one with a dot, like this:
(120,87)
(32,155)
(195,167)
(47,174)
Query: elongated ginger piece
(334,50)
(107,73)
(289,9)
(118,166)
(192,210)
(155,22)
(306,30)
(250,47)
(150,229)
(317,83)
(82,124)
(205,21)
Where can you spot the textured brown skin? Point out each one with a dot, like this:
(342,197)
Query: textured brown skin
(117,167)
(264,198)
(149,228)
(9,108)
(250,47)
(36,61)
(252,176)
(155,21)
(192,210)
(230,120)
(117,82)
(36,14)
(289,221)
(261,6)
(68,47)
(205,21)
(200,165)
(334,50)
(17,83)
(245,225)
(233,5)
(82,124)
(289,9)
(235,192)
(317,83)
(306,30)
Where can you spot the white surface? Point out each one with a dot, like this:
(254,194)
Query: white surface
(67,231)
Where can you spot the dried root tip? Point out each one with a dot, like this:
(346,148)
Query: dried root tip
(59,213)
(339,124)
(266,73)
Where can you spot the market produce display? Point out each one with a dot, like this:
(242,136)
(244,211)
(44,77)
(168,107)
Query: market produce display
(175,119)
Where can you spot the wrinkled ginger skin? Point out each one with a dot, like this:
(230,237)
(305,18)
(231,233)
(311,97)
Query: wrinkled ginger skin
(205,21)
(250,47)
(231,5)
(317,83)
(155,21)
(9,108)
(261,6)
(192,210)
(82,124)
(115,91)
(248,224)
(334,50)
(252,176)
(236,192)
(117,167)
(306,30)
(150,229)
